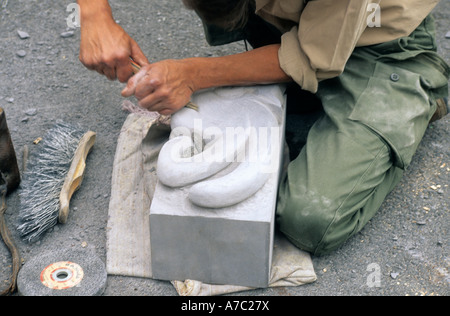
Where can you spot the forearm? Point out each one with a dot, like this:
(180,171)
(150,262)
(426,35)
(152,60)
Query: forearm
(94,9)
(259,66)
(168,85)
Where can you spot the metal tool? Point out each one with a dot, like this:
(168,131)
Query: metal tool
(9,181)
(8,160)
(63,272)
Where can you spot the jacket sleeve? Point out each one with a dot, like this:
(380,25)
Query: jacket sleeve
(320,46)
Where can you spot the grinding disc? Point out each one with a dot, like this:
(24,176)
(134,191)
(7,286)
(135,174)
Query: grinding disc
(69,273)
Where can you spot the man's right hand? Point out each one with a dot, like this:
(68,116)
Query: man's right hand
(105,47)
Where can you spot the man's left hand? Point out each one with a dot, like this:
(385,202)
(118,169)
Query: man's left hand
(163,87)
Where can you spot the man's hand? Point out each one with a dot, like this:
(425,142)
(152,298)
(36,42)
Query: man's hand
(168,85)
(163,87)
(105,47)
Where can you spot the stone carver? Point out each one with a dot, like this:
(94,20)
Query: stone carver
(368,68)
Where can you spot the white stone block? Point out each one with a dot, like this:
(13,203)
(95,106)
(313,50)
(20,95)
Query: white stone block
(213,228)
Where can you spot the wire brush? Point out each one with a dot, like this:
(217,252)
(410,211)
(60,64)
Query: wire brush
(53,173)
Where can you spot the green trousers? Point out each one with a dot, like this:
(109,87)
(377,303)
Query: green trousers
(374,117)
(356,150)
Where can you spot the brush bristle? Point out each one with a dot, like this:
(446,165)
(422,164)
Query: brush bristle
(43,181)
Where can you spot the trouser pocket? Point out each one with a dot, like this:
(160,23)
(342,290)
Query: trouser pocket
(396,105)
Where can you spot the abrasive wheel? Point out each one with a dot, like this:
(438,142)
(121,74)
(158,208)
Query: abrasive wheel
(66,273)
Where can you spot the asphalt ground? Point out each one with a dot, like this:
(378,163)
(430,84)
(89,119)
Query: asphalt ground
(403,251)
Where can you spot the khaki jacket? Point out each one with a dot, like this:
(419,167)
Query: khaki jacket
(320,35)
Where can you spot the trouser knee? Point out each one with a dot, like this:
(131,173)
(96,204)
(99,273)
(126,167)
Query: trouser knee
(319,224)
(309,223)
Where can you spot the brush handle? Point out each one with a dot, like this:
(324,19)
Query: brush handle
(75,175)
